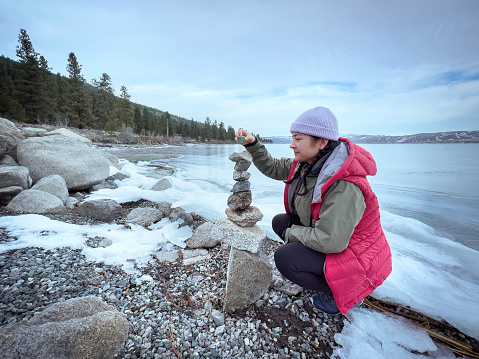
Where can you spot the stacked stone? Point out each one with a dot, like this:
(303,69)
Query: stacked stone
(249,271)
(240,211)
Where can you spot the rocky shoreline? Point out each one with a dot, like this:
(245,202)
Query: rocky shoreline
(177,314)
(173,309)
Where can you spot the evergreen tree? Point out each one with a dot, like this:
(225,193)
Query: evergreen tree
(147,120)
(214,130)
(194,130)
(31,85)
(78,101)
(9,106)
(124,114)
(138,119)
(231,133)
(103,106)
(222,135)
(74,70)
(206,131)
(62,92)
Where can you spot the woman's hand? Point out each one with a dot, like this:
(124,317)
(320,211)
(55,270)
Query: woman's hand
(248,138)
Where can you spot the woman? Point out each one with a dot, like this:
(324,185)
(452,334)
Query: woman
(334,243)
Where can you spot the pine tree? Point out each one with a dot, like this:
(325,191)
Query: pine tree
(74,70)
(138,119)
(30,86)
(103,106)
(78,101)
(231,133)
(214,130)
(206,131)
(124,113)
(147,120)
(222,132)
(194,130)
(9,106)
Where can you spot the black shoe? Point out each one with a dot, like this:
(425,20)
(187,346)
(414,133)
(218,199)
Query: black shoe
(325,302)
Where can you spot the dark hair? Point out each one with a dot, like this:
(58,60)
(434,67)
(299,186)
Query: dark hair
(330,146)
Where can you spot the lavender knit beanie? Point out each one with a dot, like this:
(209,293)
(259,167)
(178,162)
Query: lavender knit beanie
(319,122)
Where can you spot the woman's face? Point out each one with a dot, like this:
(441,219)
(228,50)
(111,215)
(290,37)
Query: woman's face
(306,147)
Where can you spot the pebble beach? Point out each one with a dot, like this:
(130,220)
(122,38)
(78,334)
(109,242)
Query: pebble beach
(174,311)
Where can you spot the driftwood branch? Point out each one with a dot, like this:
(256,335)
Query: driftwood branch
(426,322)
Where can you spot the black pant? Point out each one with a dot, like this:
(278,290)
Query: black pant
(298,263)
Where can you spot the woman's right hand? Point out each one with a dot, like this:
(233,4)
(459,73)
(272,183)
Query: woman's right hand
(248,138)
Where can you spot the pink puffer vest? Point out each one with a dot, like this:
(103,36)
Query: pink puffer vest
(354,273)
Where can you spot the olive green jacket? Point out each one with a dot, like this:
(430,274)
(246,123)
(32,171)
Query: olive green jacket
(341,210)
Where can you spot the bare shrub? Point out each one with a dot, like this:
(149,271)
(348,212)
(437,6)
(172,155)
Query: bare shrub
(176,140)
(127,135)
(60,120)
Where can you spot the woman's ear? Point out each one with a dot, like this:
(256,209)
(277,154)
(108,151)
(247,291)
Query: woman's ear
(322,143)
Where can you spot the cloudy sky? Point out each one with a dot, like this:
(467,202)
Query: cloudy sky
(383,67)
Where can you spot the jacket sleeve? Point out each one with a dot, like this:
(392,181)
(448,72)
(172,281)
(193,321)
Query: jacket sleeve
(276,168)
(342,208)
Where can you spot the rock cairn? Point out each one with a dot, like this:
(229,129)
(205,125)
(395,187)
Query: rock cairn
(249,271)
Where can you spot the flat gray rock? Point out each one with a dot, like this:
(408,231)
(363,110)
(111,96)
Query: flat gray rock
(245,218)
(202,237)
(144,216)
(241,156)
(241,186)
(38,202)
(240,200)
(241,175)
(102,209)
(244,238)
(15,176)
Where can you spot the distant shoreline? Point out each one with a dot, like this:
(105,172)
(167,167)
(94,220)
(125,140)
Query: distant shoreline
(436,137)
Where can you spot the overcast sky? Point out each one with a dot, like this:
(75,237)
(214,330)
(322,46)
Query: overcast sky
(383,67)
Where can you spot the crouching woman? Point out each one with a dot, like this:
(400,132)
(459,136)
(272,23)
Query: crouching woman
(334,242)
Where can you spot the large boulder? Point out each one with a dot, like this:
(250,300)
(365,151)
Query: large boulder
(15,176)
(34,201)
(10,136)
(85,327)
(248,278)
(54,185)
(80,166)
(102,209)
(71,134)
